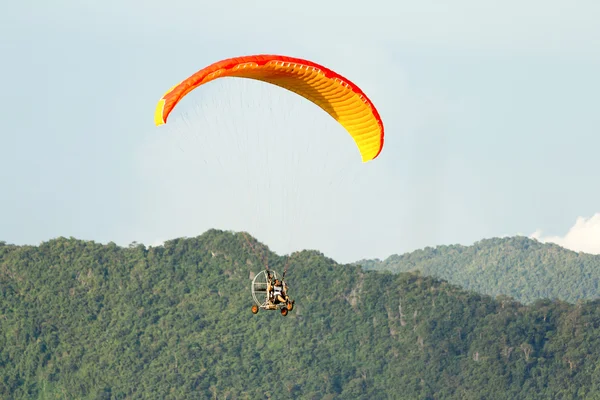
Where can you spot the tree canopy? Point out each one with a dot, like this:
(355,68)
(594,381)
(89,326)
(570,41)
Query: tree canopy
(82,320)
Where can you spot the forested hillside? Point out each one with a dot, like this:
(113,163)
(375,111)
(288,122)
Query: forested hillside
(81,320)
(519,267)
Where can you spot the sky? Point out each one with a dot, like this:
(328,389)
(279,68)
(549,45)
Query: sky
(490,112)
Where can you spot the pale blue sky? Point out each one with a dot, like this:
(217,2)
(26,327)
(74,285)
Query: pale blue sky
(491,112)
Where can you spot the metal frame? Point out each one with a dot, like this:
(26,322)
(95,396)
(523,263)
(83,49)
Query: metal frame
(259,290)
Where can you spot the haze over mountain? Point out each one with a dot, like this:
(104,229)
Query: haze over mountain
(82,320)
(523,268)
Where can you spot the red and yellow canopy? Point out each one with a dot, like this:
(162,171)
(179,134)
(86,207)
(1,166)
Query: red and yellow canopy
(339,97)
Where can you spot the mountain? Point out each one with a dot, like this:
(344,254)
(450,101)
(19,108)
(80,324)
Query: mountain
(519,267)
(82,320)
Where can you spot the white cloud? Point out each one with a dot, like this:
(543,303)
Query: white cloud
(157,243)
(583,236)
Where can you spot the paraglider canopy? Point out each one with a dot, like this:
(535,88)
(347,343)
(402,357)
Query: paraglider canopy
(336,95)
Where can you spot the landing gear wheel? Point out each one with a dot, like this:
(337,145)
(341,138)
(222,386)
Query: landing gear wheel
(254,309)
(290,305)
(284,311)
